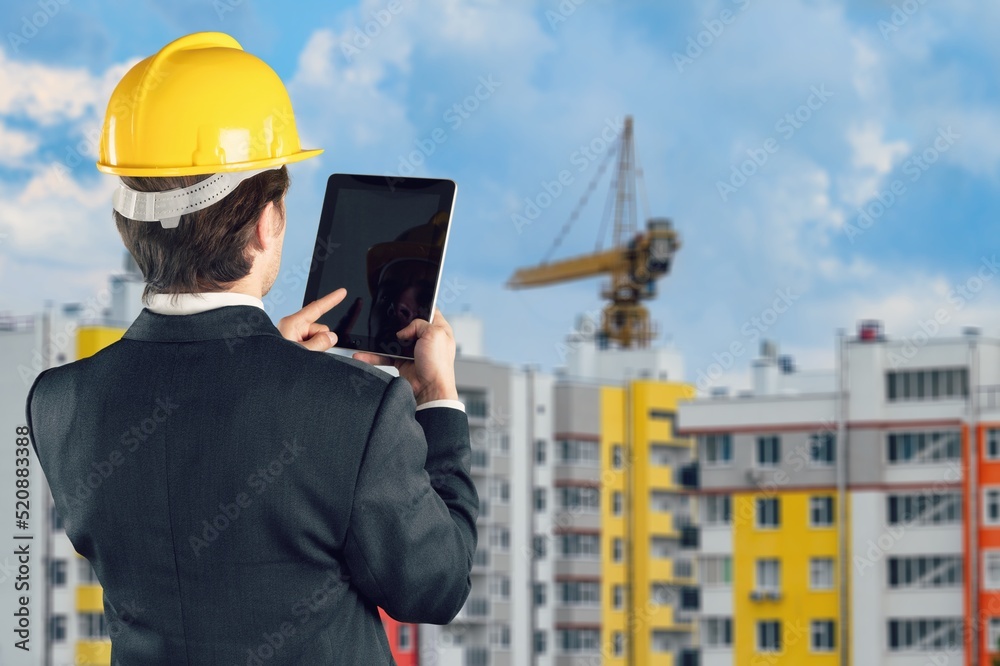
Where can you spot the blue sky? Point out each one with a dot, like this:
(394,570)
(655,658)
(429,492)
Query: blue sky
(710,84)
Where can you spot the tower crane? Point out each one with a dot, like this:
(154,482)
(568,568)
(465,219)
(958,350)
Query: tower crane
(634,263)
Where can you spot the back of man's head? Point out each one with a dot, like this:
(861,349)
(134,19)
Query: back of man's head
(210,248)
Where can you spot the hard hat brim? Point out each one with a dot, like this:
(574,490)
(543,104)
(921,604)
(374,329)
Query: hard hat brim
(201,169)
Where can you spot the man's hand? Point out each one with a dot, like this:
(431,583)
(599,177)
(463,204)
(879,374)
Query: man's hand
(302,328)
(431,373)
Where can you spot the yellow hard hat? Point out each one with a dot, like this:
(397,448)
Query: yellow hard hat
(201,105)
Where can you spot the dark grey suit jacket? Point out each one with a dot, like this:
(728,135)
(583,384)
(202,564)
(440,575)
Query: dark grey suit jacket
(246,501)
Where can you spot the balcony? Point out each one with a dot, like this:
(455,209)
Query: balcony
(577,566)
(90,599)
(689,537)
(765,594)
(689,476)
(576,472)
(93,653)
(661,477)
(576,614)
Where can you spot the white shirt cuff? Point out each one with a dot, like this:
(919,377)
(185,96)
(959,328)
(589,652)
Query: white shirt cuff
(454,404)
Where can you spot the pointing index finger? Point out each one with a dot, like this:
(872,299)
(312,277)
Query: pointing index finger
(321,306)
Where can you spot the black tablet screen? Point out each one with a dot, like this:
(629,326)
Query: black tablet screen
(383,239)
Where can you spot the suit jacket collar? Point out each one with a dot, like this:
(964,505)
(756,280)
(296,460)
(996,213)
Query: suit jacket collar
(227,322)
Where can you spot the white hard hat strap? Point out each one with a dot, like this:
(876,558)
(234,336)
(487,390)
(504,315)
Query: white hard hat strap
(168,206)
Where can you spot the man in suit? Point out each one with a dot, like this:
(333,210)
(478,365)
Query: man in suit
(242,498)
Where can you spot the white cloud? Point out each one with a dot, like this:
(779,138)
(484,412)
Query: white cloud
(55,218)
(872,158)
(869,150)
(15,146)
(49,95)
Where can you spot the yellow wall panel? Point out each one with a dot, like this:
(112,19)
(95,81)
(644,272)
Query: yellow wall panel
(92,339)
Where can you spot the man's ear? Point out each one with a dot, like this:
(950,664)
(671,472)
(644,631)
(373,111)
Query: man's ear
(268,226)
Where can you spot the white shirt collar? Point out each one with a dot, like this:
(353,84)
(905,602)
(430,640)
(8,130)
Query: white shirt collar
(184,304)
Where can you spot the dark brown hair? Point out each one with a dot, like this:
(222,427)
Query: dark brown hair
(210,248)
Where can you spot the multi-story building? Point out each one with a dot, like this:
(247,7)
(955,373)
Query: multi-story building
(622,567)
(509,412)
(852,516)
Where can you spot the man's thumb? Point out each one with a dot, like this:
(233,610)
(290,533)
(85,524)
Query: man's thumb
(408,331)
(320,342)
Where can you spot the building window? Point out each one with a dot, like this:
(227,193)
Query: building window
(820,511)
(822,633)
(500,586)
(663,455)
(908,448)
(924,634)
(716,570)
(584,546)
(992,451)
(475,402)
(768,512)
(822,449)
(618,596)
(500,537)
(585,499)
(616,503)
(663,548)
(717,632)
(936,384)
(538,544)
(579,593)
(580,452)
(768,575)
(768,451)
(57,572)
(538,592)
(925,571)
(93,625)
(661,501)
(500,491)
(540,642)
(617,549)
(991,506)
(480,458)
(718,510)
(616,456)
(618,643)
(717,450)
(404,639)
(540,451)
(821,573)
(993,634)
(991,569)
(57,521)
(924,509)
(768,636)
(57,629)
(580,640)
(500,635)
(539,499)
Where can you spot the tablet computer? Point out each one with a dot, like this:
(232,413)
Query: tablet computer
(383,239)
